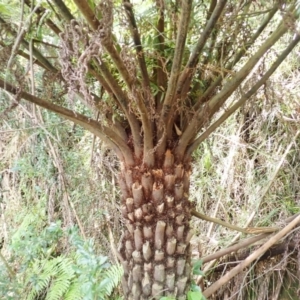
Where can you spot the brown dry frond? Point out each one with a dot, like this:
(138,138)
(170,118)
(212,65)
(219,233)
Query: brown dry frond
(79,47)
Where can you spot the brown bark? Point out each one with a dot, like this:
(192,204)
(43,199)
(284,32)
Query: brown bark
(155,245)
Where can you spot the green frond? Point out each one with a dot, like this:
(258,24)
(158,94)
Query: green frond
(55,275)
(74,292)
(112,277)
(9,9)
(58,288)
(3,9)
(40,275)
(61,282)
(83,275)
(65,266)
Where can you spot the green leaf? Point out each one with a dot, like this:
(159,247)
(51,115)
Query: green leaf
(197,268)
(195,296)
(4,10)
(195,287)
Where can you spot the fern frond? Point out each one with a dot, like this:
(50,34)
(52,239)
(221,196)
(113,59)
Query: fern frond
(40,275)
(74,292)
(58,288)
(112,277)
(56,275)
(61,283)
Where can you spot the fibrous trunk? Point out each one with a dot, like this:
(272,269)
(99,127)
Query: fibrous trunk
(155,245)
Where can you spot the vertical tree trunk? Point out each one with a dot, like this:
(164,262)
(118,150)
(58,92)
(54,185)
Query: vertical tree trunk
(155,246)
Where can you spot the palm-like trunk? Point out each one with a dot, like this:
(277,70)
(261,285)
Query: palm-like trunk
(155,245)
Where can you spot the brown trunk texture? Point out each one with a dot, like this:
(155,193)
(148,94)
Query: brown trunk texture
(155,246)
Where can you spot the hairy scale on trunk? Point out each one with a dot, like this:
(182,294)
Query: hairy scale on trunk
(156,80)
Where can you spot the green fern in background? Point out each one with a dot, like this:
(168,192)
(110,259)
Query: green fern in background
(96,275)
(54,275)
(44,273)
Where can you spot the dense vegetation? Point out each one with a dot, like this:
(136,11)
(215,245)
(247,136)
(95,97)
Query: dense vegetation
(154,82)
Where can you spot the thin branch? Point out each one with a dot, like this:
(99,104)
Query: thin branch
(63,10)
(212,6)
(245,47)
(222,47)
(105,133)
(25,55)
(176,65)
(248,230)
(197,87)
(117,126)
(143,105)
(159,73)
(111,49)
(290,247)
(94,140)
(118,257)
(186,75)
(19,37)
(89,15)
(244,98)
(203,98)
(252,257)
(138,45)
(100,78)
(234,248)
(113,123)
(218,100)
(87,12)
(31,68)
(35,52)
(179,50)
(123,102)
(45,43)
(148,153)
(41,11)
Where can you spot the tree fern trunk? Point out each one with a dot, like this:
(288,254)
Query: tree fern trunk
(155,246)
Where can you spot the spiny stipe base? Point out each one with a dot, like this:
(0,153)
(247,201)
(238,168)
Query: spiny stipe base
(155,246)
